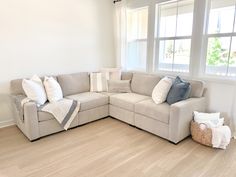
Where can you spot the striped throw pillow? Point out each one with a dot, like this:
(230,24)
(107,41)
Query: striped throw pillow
(98,82)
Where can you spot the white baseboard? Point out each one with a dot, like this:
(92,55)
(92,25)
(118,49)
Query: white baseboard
(6,123)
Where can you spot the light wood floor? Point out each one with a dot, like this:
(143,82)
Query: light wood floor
(110,148)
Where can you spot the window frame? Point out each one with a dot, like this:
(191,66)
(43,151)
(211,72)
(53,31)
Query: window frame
(158,39)
(206,38)
(198,51)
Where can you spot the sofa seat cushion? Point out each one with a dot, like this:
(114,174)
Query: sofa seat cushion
(127,100)
(160,112)
(45,116)
(108,93)
(89,100)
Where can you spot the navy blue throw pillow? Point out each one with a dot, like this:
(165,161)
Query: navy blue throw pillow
(179,91)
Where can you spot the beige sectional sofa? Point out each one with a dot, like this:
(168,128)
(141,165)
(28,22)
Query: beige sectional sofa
(137,108)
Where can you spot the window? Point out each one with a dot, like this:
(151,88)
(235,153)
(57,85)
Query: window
(173,35)
(220,38)
(137,25)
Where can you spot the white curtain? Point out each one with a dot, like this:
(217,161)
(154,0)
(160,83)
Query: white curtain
(120,33)
(233,114)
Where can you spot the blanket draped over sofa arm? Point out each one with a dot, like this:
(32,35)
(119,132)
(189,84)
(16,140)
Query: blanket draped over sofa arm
(181,114)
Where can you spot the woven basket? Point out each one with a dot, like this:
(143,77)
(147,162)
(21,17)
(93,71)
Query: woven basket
(202,136)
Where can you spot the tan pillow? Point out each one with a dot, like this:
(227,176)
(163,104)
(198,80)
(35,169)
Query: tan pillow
(119,86)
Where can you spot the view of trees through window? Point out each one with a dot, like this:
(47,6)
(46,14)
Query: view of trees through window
(218,55)
(221,51)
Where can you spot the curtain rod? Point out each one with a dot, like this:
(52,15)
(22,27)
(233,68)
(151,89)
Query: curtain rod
(115,1)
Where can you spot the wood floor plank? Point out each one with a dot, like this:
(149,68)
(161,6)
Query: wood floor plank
(110,148)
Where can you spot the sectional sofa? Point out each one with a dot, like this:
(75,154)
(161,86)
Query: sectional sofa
(137,108)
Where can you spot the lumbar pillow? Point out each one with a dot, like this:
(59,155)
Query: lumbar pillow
(34,90)
(112,73)
(53,89)
(98,82)
(119,86)
(161,90)
(179,91)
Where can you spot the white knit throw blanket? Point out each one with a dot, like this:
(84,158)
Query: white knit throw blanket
(221,137)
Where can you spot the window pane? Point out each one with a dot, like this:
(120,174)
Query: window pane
(137,24)
(232,60)
(182,55)
(168,16)
(175,20)
(167,20)
(166,52)
(217,55)
(185,18)
(221,16)
(136,55)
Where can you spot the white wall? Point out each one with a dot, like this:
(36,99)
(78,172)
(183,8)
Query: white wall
(221,97)
(52,37)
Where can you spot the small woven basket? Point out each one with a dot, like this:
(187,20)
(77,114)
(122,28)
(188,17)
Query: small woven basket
(201,135)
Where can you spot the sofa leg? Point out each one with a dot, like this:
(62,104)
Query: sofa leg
(173,143)
(132,126)
(35,140)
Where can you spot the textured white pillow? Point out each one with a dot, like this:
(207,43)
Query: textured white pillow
(161,90)
(34,90)
(53,89)
(210,119)
(198,116)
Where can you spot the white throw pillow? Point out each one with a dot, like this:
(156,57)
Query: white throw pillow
(161,90)
(112,73)
(199,116)
(34,90)
(98,82)
(53,89)
(210,119)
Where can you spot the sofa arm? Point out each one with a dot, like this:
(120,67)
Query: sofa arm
(181,114)
(29,125)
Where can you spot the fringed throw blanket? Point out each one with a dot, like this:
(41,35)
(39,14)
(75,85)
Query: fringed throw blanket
(64,110)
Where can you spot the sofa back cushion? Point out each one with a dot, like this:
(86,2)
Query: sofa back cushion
(126,76)
(16,87)
(197,88)
(74,83)
(144,83)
